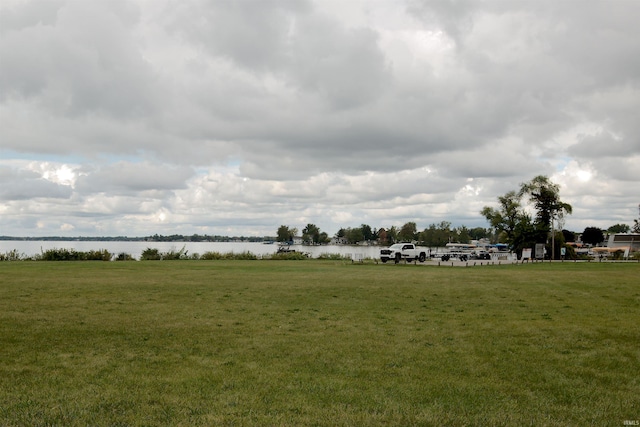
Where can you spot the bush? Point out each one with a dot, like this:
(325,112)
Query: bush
(228,256)
(73,255)
(334,257)
(294,256)
(58,255)
(211,256)
(244,256)
(570,252)
(618,255)
(123,256)
(100,255)
(174,255)
(13,255)
(150,254)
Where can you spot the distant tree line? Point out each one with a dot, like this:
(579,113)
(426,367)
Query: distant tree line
(434,235)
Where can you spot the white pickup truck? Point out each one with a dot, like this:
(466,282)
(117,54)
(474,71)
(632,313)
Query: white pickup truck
(403,251)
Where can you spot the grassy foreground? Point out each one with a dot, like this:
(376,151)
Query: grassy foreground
(318,343)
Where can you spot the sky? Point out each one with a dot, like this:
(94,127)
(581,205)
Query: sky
(137,117)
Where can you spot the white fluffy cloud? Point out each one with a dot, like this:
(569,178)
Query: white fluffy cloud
(138,117)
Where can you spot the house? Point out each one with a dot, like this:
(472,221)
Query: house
(338,241)
(624,241)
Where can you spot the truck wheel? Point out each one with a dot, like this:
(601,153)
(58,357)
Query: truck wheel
(384,260)
(398,256)
(422,257)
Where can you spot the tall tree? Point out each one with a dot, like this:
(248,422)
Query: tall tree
(545,196)
(392,235)
(427,237)
(478,233)
(408,232)
(354,235)
(526,234)
(569,236)
(367,233)
(382,236)
(286,234)
(619,228)
(592,235)
(507,216)
(515,226)
(462,234)
(437,235)
(311,234)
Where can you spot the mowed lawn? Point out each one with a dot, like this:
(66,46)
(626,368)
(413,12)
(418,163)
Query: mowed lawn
(199,343)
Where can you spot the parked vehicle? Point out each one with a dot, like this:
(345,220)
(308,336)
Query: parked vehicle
(403,251)
(462,256)
(480,254)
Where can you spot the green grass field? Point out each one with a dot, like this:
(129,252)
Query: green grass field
(199,343)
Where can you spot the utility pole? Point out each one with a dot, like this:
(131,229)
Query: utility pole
(553,238)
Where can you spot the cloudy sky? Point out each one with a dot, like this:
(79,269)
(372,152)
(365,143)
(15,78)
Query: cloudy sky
(136,117)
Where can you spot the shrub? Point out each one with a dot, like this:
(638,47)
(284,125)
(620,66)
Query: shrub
(228,256)
(174,255)
(334,257)
(13,255)
(73,255)
(295,256)
(123,256)
(100,255)
(246,255)
(150,254)
(617,255)
(570,252)
(60,255)
(211,256)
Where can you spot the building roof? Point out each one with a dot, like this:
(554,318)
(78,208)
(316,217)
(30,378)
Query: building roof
(625,238)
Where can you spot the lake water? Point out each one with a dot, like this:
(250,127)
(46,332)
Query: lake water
(35,247)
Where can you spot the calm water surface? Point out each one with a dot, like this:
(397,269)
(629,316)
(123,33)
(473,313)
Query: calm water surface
(35,247)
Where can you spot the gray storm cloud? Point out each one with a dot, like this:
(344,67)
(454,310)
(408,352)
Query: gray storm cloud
(270,112)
